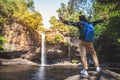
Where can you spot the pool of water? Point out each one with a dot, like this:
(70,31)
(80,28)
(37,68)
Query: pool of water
(23,72)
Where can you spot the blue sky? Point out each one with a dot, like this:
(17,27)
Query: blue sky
(48,8)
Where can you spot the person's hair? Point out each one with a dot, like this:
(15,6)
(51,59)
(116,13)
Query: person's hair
(83,18)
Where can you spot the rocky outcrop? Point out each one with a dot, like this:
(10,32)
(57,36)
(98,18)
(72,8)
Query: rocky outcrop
(60,51)
(17,61)
(22,41)
(103,75)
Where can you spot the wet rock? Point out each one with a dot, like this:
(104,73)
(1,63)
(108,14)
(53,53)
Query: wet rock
(103,75)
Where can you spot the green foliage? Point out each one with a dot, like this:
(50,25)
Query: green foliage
(73,31)
(66,44)
(33,20)
(6,7)
(2,41)
(57,25)
(58,37)
(63,11)
(22,10)
(111,29)
(40,28)
(118,40)
(75,61)
(50,41)
(67,13)
(30,5)
(2,20)
(112,25)
(55,38)
(99,29)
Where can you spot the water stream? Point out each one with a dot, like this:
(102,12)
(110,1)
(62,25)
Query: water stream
(43,56)
(26,72)
(41,71)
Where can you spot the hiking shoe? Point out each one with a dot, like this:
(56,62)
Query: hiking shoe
(98,69)
(84,72)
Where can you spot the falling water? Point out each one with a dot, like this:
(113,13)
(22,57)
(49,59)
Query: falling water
(43,56)
(41,71)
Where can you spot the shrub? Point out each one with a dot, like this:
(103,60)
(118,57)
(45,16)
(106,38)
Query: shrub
(58,37)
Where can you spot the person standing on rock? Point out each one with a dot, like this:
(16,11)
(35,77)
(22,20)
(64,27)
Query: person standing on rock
(85,40)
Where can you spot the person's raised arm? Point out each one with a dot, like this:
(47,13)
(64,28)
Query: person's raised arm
(101,20)
(69,22)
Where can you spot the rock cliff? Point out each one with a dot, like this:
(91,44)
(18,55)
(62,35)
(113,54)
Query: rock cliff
(22,41)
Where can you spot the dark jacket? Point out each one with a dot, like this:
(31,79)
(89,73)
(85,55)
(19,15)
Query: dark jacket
(80,26)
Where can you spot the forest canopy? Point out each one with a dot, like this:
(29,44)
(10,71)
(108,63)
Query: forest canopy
(22,10)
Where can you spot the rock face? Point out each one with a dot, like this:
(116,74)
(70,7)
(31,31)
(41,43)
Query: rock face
(22,41)
(17,61)
(61,51)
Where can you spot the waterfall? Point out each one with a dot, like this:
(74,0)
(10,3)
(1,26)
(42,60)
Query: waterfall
(41,72)
(43,56)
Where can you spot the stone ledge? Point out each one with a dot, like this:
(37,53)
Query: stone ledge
(16,61)
(103,75)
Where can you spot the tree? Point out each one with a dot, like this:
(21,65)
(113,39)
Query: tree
(30,5)
(111,34)
(23,10)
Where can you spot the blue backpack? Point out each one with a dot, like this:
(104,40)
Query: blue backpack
(88,31)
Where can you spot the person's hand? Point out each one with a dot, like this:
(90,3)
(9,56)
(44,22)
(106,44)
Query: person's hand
(104,17)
